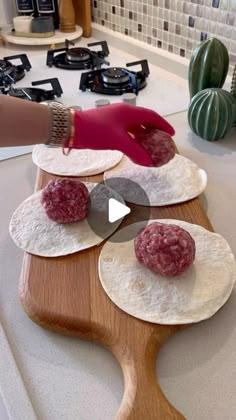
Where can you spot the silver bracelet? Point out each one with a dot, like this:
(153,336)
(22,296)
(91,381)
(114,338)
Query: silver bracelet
(60,124)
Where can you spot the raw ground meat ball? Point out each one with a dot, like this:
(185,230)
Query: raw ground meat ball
(158,143)
(165,248)
(65,200)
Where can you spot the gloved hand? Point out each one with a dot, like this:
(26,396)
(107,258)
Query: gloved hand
(109,127)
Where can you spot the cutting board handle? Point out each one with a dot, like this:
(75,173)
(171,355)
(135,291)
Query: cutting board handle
(143,398)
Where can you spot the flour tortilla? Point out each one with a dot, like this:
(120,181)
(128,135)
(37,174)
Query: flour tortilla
(193,296)
(177,181)
(84,162)
(34,232)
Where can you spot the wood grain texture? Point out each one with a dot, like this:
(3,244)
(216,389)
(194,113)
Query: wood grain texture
(65,295)
(67,16)
(83,15)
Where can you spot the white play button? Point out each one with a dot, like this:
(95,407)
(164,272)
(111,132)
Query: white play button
(107,207)
(116,210)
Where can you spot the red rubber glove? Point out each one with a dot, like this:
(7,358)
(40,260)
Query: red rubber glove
(109,127)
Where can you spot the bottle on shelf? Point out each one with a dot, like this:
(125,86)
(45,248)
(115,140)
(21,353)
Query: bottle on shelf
(67,16)
(25,7)
(48,8)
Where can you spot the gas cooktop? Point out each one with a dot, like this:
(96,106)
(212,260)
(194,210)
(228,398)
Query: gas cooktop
(37,94)
(116,80)
(10,73)
(78,58)
(107,80)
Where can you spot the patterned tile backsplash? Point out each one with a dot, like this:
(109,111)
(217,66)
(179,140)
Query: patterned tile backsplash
(174,25)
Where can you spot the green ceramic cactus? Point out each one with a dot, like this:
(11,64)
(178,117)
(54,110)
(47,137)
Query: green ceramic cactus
(212,113)
(233,84)
(208,66)
(233,88)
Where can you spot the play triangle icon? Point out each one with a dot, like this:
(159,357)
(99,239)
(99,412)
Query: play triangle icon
(116,210)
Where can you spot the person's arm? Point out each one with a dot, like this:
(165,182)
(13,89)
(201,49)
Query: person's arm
(23,122)
(105,128)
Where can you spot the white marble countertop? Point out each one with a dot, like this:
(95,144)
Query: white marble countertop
(67,378)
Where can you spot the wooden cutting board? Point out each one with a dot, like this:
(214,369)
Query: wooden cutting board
(65,295)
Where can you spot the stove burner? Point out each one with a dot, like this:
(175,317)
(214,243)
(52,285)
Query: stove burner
(10,73)
(77,55)
(115,76)
(78,58)
(115,80)
(37,94)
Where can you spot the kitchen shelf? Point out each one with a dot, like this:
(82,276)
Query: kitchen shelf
(58,38)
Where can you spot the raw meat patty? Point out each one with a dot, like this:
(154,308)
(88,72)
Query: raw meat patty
(159,145)
(65,200)
(165,248)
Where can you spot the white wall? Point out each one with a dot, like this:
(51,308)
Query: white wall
(7,11)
